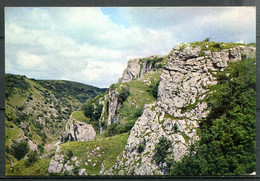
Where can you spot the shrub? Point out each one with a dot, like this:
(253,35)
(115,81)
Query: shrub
(115,128)
(124,127)
(20,108)
(162,150)
(32,158)
(206,40)
(88,109)
(41,148)
(201,54)
(141,147)
(216,45)
(159,66)
(98,111)
(138,113)
(76,170)
(175,127)
(111,130)
(19,149)
(69,154)
(153,89)
(123,94)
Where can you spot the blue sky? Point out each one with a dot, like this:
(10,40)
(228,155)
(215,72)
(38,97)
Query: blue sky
(92,45)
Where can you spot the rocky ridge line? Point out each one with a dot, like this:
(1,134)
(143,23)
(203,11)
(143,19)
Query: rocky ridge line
(183,83)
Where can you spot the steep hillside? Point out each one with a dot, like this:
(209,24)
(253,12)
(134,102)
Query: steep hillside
(37,112)
(161,118)
(168,128)
(112,114)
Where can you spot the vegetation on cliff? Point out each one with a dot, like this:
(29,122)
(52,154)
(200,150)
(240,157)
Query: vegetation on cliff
(227,135)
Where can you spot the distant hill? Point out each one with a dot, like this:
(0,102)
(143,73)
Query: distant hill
(37,111)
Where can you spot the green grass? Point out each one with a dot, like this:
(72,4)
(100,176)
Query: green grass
(111,146)
(79,115)
(40,167)
(11,133)
(40,103)
(139,95)
(214,46)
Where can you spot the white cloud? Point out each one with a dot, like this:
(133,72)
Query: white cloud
(27,61)
(95,70)
(85,45)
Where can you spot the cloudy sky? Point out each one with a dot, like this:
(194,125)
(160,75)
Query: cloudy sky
(93,45)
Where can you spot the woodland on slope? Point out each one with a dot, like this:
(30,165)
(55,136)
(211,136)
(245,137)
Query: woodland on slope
(46,121)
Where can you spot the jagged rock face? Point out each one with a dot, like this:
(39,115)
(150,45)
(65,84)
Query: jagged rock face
(113,105)
(135,69)
(183,83)
(132,71)
(78,131)
(104,111)
(184,79)
(56,163)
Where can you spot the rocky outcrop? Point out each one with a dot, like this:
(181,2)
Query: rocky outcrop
(56,163)
(132,71)
(137,67)
(78,131)
(113,105)
(183,85)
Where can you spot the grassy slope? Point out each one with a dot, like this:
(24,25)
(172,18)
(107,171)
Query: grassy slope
(110,148)
(30,104)
(139,94)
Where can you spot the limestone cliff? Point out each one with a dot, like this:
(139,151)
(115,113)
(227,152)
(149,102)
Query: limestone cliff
(183,84)
(78,131)
(137,67)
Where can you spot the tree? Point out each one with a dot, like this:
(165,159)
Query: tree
(162,150)
(227,135)
(123,94)
(88,109)
(32,158)
(19,149)
(206,39)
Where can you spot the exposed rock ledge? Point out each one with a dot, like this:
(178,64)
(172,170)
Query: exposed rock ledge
(78,131)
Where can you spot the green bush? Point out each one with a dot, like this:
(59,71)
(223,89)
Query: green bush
(19,149)
(32,158)
(175,127)
(201,54)
(153,89)
(115,128)
(141,147)
(88,109)
(124,127)
(68,155)
(216,45)
(20,108)
(162,150)
(98,111)
(159,66)
(41,148)
(111,130)
(123,94)
(138,113)
(206,40)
